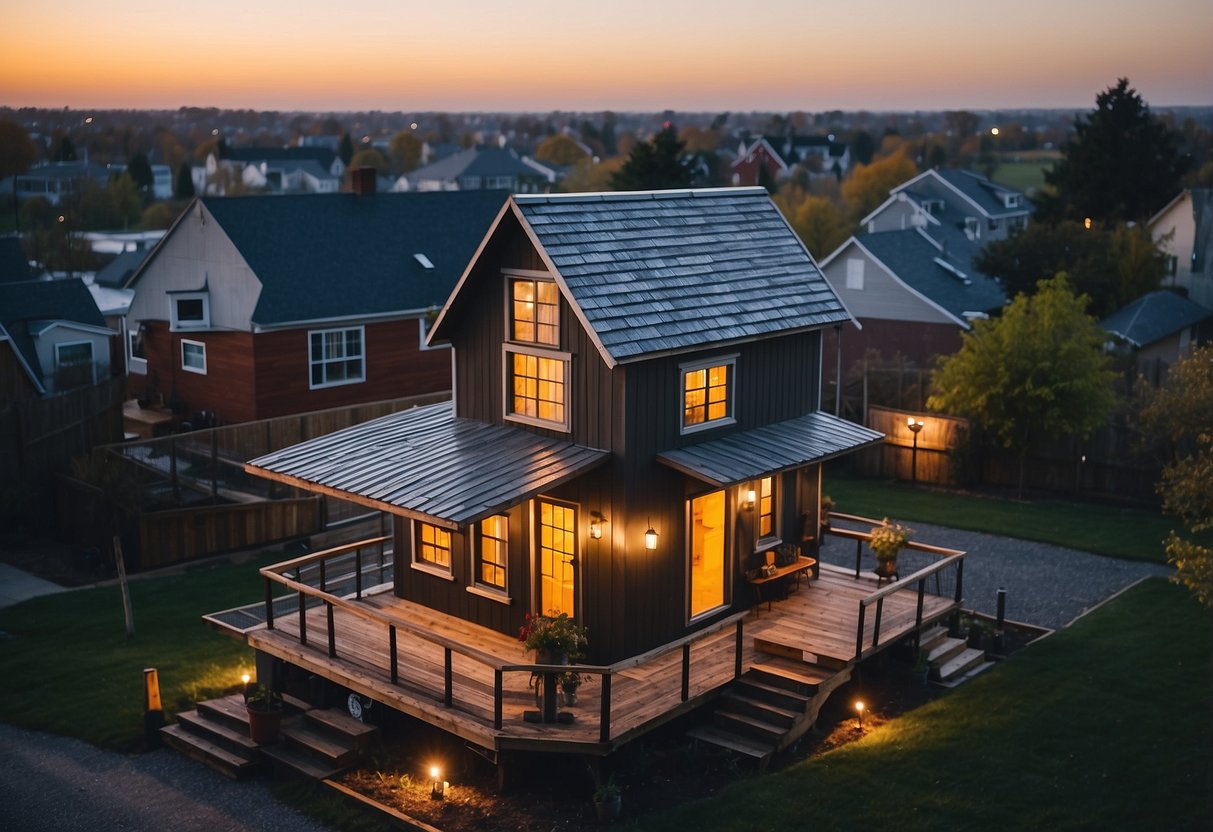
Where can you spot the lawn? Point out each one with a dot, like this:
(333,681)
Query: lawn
(1104,725)
(1025,171)
(70,669)
(1132,534)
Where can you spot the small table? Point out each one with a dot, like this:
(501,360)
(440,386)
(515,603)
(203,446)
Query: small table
(782,573)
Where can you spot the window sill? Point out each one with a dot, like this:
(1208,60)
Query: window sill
(491,594)
(436,571)
(343,383)
(698,617)
(702,426)
(562,427)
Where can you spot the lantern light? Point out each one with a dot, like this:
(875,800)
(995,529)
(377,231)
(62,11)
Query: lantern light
(650,537)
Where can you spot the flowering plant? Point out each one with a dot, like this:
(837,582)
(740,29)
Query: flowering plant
(555,633)
(888,538)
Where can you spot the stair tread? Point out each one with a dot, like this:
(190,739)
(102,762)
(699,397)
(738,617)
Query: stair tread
(342,723)
(808,675)
(731,741)
(967,675)
(220,758)
(961,662)
(760,704)
(945,649)
(793,640)
(300,761)
(199,724)
(229,708)
(755,682)
(318,742)
(754,722)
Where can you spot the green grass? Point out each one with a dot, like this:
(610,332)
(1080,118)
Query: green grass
(1025,173)
(1119,532)
(70,669)
(1102,726)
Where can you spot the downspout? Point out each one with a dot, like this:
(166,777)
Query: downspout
(838,370)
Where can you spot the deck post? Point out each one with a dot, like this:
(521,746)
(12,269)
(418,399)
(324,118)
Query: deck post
(858,555)
(738,651)
(686,671)
(922,588)
(332,632)
(604,713)
(863,611)
(497,699)
(302,618)
(876,624)
(323,582)
(358,573)
(269,604)
(446,694)
(960,571)
(391,640)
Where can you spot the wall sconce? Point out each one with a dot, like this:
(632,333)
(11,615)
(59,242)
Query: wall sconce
(438,791)
(596,521)
(650,537)
(751,499)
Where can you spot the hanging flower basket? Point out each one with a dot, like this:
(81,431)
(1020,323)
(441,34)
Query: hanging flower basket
(888,539)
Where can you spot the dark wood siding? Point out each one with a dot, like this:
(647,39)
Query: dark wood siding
(226,389)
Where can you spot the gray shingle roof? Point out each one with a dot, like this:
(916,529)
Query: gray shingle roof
(674,271)
(984,192)
(1153,317)
(770,449)
(119,270)
(321,155)
(321,256)
(476,161)
(25,306)
(427,463)
(915,261)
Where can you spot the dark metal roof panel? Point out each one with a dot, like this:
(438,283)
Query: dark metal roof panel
(426,461)
(1153,317)
(747,455)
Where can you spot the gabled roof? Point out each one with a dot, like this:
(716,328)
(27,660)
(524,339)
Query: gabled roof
(325,256)
(322,155)
(476,161)
(28,307)
(977,191)
(1153,317)
(429,464)
(654,272)
(118,271)
(943,275)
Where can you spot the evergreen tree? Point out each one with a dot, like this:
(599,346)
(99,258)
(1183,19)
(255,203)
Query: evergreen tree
(654,165)
(185,183)
(140,170)
(65,151)
(346,149)
(1120,165)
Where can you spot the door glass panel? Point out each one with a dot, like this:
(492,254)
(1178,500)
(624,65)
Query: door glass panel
(707,552)
(557,550)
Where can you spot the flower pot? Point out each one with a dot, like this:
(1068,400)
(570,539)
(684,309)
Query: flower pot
(569,696)
(263,726)
(609,808)
(886,568)
(543,656)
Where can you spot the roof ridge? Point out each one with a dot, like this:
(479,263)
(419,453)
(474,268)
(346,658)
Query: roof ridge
(609,196)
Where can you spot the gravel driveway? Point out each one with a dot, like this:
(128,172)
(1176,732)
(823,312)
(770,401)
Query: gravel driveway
(1046,585)
(55,783)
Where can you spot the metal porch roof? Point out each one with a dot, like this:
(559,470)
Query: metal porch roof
(770,449)
(427,463)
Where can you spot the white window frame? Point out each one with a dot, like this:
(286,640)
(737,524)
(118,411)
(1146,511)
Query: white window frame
(176,323)
(507,375)
(855,269)
(423,331)
(476,586)
(199,370)
(324,361)
(730,393)
(429,567)
(135,363)
(92,357)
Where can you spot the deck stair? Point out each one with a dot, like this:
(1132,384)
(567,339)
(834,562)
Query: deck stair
(320,743)
(951,660)
(771,706)
(217,735)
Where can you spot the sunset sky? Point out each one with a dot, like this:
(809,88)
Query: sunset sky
(623,55)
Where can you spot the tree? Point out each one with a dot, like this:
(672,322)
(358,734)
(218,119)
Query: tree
(369,158)
(140,170)
(404,151)
(589,176)
(559,150)
(822,225)
(1113,266)
(345,149)
(654,165)
(161,214)
(869,185)
(1180,414)
(1121,164)
(65,150)
(17,150)
(184,188)
(1036,371)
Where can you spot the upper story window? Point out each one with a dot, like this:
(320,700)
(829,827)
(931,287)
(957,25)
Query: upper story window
(431,546)
(855,273)
(707,393)
(189,310)
(193,356)
(335,356)
(534,312)
(537,387)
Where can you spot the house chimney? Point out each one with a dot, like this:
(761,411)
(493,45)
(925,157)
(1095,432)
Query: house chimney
(362,181)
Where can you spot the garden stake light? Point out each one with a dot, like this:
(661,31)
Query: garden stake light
(859,712)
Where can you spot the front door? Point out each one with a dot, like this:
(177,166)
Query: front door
(707,567)
(556,550)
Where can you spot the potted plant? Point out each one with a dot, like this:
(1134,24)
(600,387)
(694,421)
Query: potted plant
(608,800)
(264,713)
(827,505)
(886,541)
(554,638)
(569,682)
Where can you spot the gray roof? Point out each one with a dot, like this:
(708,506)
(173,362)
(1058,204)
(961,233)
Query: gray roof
(675,271)
(26,307)
(321,256)
(427,463)
(770,449)
(1153,317)
(916,262)
(986,193)
(476,161)
(322,155)
(119,270)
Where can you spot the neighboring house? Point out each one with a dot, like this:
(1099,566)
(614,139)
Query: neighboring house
(54,338)
(1159,329)
(276,169)
(162,182)
(260,306)
(909,293)
(55,180)
(635,421)
(1184,230)
(474,169)
(779,154)
(952,204)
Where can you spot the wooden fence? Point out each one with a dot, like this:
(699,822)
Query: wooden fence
(897,458)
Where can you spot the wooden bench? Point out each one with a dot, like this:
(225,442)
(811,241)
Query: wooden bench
(781,574)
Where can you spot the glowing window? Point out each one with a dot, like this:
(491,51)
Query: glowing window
(535,312)
(432,545)
(707,394)
(537,387)
(491,554)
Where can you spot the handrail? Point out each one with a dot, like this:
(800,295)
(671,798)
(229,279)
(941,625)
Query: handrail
(313,557)
(901,584)
(656,652)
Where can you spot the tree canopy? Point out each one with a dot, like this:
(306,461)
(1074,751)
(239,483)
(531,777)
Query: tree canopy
(17,150)
(345,149)
(654,165)
(140,170)
(369,158)
(559,150)
(1036,371)
(869,185)
(1121,164)
(404,151)
(184,188)
(1180,414)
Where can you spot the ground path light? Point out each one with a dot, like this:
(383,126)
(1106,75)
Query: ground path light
(859,706)
(438,792)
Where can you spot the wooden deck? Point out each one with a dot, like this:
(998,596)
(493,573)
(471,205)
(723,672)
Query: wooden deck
(818,624)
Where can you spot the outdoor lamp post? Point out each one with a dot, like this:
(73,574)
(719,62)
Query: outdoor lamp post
(915,425)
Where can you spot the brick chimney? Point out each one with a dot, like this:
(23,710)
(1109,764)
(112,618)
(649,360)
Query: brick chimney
(362,181)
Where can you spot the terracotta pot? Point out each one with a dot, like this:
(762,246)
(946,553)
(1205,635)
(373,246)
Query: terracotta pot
(550,656)
(263,726)
(886,568)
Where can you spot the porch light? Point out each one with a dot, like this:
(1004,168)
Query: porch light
(650,537)
(245,678)
(438,791)
(751,498)
(596,521)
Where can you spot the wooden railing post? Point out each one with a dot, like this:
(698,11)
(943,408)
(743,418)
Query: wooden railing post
(497,699)
(323,583)
(604,713)
(332,632)
(686,671)
(302,617)
(269,604)
(922,589)
(738,651)
(876,623)
(358,573)
(858,555)
(446,694)
(391,639)
(863,610)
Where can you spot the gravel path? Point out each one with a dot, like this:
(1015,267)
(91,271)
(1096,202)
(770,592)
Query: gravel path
(55,783)
(1046,585)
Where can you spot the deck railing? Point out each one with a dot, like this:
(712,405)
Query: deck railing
(950,566)
(294,575)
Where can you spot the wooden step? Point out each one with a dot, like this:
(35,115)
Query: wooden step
(222,760)
(775,643)
(297,760)
(356,734)
(932,636)
(218,732)
(333,750)
(752,686)
(736,701)
(733,742)
(747,726)
(960,664)
(228,710)
(804,679)
(944,650)
(960,680)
